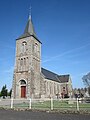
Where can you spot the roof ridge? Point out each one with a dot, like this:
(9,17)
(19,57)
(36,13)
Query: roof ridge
(50,71)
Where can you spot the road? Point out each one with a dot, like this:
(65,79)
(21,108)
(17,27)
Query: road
(29,115)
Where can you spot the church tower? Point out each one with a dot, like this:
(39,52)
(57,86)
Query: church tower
(26,78)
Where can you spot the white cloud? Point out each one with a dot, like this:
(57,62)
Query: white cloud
(65,53)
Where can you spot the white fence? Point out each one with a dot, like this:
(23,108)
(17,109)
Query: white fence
(47,104)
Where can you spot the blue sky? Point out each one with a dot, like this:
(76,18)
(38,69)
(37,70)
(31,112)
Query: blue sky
(63,27)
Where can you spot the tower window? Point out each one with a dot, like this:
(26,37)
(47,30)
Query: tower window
(24,61)
(35,47)
(24,46)
(21,62)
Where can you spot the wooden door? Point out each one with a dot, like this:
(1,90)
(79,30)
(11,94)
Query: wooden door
(23,91)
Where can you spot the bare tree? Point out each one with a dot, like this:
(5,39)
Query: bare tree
(86,80)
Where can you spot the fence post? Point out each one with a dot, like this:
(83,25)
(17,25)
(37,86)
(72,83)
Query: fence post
(51,103)
(30,103)
(12,102)
(77,104)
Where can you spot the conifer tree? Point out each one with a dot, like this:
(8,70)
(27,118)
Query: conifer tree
(4,91)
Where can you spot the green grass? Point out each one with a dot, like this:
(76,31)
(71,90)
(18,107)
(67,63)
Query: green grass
(85,106)
(21,105)
(42,105)
(36,105)
(63,105)
(57,104)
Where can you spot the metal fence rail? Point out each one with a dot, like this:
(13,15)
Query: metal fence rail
(46,104)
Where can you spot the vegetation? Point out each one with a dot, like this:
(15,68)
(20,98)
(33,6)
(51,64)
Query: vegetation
(86,80)
(9,93)
(0,94)
(57,105)
(79,92)
(4,92)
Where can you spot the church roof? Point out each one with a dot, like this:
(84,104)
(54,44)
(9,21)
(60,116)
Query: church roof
(55,77)
(64,78)
(49,75)
(29,30)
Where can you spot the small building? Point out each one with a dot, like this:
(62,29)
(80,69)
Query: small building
(29,79)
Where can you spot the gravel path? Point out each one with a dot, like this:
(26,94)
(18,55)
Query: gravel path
(29,115)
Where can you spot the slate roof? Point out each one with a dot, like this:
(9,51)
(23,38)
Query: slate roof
(54,77)
(64,78)
(49,75)
(29,30)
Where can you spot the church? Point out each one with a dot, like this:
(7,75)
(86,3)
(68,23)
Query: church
(30,80)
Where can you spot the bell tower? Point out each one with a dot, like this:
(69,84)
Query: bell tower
(26,78)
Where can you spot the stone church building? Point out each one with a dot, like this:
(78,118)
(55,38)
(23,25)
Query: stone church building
(29,79)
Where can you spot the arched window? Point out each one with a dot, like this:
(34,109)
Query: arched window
(24,61)
(35,47)
(21,62)
(22,82)
(24,46)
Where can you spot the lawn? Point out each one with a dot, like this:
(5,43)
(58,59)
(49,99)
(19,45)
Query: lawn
(57,104)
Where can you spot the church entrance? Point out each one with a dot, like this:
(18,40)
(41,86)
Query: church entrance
(23,91)
(23,88)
